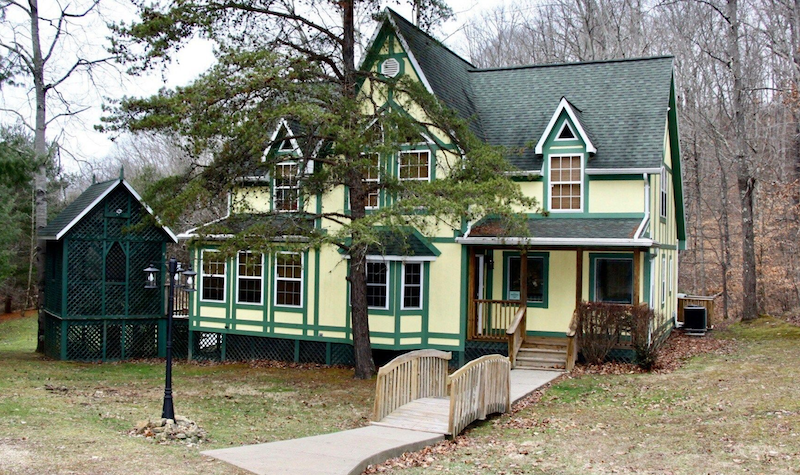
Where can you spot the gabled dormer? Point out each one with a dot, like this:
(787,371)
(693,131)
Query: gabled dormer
(565,146)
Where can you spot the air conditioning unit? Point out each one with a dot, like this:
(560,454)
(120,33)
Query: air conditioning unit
(695,319)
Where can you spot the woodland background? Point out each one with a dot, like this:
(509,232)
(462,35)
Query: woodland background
(737,69)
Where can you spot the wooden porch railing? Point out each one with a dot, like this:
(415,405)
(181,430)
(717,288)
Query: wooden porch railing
(180,302)
(410,376)
(516,333)
(492,318)
(479,388)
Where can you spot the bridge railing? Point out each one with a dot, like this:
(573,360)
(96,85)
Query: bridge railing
(479,388)
(410,376)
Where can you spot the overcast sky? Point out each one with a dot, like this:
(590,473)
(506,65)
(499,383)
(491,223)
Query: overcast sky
(78,137)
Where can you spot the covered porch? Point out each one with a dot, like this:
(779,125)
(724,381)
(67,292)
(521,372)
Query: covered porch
(523,292)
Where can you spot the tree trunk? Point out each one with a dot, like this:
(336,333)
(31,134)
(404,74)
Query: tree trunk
(744,174)
(40,149)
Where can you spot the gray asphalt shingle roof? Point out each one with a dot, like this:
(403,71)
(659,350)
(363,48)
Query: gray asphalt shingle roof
(623,103)
(74,209)
(573,228)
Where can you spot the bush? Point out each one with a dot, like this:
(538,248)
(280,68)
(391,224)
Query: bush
(605,326)
(600,327)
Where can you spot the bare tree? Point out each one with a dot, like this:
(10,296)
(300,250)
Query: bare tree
(40,53)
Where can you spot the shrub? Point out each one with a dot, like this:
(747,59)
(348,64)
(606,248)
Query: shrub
(646,336)
(600,327)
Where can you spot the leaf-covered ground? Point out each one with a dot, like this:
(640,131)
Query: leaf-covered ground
(727,403)
(74,418)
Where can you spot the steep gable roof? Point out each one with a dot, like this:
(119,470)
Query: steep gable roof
(445,73)
(621,104)
(59,226)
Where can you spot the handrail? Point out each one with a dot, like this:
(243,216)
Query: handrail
(480,387)
(516,333)
(489,319)
(572,342)
(410,376)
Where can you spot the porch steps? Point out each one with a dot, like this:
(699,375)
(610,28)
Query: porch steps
(542,353)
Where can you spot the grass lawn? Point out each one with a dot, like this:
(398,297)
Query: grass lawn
(65,417)
(719,414)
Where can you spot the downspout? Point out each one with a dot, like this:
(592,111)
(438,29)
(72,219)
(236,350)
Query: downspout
(646,218)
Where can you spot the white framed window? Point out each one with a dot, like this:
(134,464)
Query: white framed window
(663,279)
(536,278)
(249,277)
(212,276)
(566,183)
(377,285)
(289,279)
(286,187)
(373,176)
(412,285)
(414,165)
(566,132)
(671,276)
(663,179)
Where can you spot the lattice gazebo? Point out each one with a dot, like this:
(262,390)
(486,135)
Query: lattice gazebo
(96,306)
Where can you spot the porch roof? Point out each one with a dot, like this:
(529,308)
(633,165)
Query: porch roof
(561,232)
(281,225)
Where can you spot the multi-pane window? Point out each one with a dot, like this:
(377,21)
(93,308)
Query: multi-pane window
(414,165)
(371,177)
(212,279)
(377,285)
(663,193)
(663,279)
(289,279)
(249,277)
(613,280)
(412,285)
(286,186)
(566,183)
(536,282)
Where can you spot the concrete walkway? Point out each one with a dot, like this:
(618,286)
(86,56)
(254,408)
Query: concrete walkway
(349,452)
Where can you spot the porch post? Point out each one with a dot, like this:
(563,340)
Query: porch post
(579,277)
(636,276)
(471,316)
(523,278)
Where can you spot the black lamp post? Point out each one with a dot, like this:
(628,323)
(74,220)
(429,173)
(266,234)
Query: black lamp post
(175,271)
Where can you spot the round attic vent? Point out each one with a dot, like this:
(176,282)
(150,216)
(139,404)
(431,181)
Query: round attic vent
(390,67)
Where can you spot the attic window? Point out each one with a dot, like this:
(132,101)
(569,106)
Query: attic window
(286,146)
(566,132)
(390,67)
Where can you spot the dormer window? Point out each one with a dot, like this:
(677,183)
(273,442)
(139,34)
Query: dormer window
(286,146)
(566,132)
(566,182)
(286,187)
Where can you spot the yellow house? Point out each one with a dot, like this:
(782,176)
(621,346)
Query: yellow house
(595,143)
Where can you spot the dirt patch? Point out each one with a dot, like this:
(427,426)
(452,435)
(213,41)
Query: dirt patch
(15,315)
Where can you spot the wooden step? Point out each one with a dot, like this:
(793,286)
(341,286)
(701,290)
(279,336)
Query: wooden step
(526,349)
(542,353)
(537,363)
(549,343)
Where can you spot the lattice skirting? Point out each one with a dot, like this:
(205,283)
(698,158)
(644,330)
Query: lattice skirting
(229,347)
(112,339)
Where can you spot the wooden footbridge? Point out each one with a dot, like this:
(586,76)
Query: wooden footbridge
(415,392)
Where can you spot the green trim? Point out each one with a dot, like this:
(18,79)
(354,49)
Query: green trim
(536,333)
(585,215)
(668,247)
(545,256)
(593,256)
(64,286)
(677,182)
(316,289)
(616,177)
(646,276)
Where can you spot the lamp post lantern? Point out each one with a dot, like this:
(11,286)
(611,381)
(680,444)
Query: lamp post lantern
(175,272)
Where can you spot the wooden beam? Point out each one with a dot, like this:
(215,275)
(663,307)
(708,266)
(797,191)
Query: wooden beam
(523,277)
(471,316)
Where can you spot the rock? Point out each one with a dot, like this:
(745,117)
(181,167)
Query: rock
(180,435)
(141,426)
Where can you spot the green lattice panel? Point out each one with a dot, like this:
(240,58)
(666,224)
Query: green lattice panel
(52,336)
(207,346)
(90,227)
(342,354)
(141,339)
(180,338)
(115,299)
(113,343)
(143,301)
(85,341)
(313,352)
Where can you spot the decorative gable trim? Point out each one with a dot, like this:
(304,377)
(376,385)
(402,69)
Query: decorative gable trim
(564,105)
(409,53)
(112,186)
(293,141)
